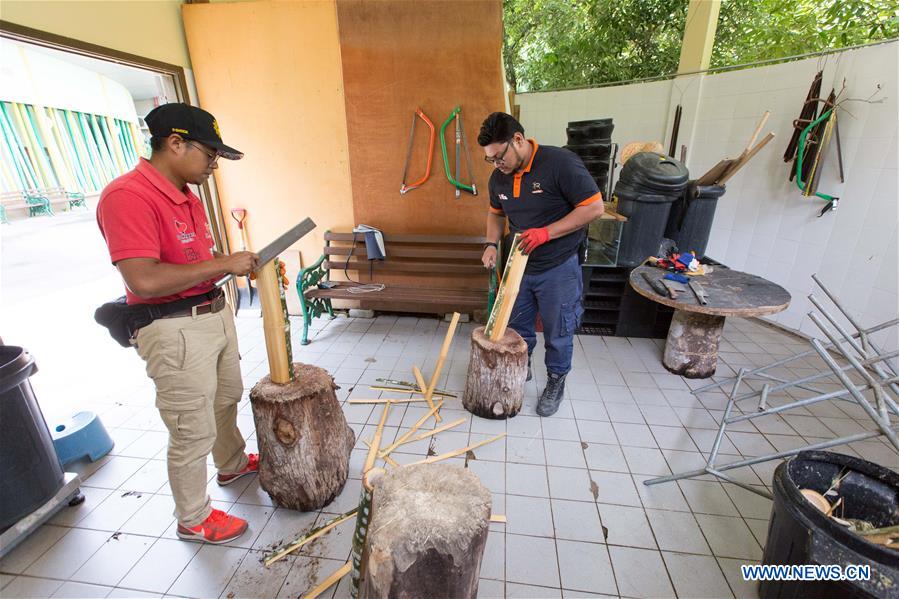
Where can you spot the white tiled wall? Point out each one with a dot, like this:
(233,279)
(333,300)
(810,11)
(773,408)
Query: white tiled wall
(763,224)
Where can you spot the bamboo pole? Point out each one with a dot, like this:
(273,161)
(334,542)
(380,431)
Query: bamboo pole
(269,286)
(426,389)
(445,427)
(329,581)
(738,165)
(386,458)
(310,536)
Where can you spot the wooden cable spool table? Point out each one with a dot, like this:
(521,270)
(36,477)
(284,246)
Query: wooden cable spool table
(691,349)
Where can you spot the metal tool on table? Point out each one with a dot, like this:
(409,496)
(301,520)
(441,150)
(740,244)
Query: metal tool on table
(655,284)
(701,296)
(279,245)
(674,288)
(461,147)
(240,215)
(418,115)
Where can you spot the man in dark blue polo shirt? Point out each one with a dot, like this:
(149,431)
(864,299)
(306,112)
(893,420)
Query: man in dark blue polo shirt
(549,197)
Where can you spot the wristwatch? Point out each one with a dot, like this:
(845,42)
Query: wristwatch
(491,244)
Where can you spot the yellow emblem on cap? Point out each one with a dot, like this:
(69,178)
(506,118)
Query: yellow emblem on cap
(215,125)
(182,131)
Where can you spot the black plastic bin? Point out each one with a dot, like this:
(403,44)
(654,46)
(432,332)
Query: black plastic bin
(29,469)
(647,215)
(799,534)
(691,217)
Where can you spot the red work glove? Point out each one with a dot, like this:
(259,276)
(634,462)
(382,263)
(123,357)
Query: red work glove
(531,239)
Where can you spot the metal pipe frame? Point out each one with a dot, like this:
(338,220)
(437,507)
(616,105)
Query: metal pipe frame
(870,358)
(884,325)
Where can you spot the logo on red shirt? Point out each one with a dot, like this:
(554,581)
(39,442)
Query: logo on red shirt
(183,235)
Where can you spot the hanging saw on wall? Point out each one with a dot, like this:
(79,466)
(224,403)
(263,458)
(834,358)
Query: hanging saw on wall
(418,115)
(461,147)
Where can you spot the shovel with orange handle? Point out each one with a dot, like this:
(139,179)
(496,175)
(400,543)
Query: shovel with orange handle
(240,215)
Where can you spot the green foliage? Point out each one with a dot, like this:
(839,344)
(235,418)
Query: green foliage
(555,44)
(566,43)
(754,30)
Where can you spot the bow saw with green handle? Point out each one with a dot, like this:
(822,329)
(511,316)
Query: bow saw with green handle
(460,141)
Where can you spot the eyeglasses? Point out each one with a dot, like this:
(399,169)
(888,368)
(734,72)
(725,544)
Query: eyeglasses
(499,157)
(212,156)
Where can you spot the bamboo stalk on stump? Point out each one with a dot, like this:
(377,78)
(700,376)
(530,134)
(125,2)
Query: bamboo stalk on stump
(498,364)
(304,439)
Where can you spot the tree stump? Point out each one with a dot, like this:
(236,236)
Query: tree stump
(496,374)
(304,439)
(427,534)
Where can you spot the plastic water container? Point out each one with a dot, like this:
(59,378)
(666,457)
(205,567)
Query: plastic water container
(29,469)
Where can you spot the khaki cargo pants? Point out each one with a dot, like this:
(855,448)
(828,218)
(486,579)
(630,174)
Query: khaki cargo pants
(195,365)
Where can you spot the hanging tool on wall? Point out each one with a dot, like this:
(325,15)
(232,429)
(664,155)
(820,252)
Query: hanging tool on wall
(461,146)
(828,116)
(418,115)
(240,215)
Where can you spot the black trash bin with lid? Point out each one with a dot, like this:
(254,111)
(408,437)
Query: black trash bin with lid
(29,469)
(648,185)
(801,534)
(691,217)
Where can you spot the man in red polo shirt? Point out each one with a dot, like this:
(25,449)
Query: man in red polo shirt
(159,239)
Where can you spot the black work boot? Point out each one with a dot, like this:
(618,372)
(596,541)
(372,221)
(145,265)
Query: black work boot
(552,395)
(530,374)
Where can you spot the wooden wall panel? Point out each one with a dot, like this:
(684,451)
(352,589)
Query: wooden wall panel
(270,73)
(397,56)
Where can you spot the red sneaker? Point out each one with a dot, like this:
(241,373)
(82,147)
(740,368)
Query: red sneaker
(218,528)
(251,468)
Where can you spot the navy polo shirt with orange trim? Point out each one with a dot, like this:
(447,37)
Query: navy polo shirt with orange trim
(551,186)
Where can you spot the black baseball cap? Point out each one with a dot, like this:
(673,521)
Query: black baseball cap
(189,122)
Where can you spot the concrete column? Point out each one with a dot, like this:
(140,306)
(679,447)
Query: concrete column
(699,35)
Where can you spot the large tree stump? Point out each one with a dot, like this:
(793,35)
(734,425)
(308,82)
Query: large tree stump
(304,439)
(496,374)
(427,533)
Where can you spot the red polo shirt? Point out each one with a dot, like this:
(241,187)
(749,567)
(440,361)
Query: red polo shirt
(142,215)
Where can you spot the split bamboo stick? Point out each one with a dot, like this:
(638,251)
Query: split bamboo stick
(390,400)
(411,431)
(498,518)
(376,442)
(426,388)
(438,392)
(329,581)
(311,536)
(736,167)
(507,292)
(458,452)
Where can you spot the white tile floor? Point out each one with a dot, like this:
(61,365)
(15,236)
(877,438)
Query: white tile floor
(580,521)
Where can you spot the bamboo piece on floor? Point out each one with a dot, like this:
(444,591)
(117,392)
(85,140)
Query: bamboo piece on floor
(445,427)
(437,392)
(386,458)
(458,452)
(269,289)
(311,536)
(329,581)
(444,351)
(411,431)
(498,518)
(376,442)
(426,388)
(383,400)
(507,293)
